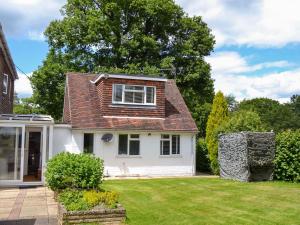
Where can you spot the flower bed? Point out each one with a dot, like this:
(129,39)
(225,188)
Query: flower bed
(114,216)
(76,180)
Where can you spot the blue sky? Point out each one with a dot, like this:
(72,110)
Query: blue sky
(257,52)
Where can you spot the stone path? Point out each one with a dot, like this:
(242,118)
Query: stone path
(27,206)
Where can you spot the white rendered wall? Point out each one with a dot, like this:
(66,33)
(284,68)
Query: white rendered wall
(148,163)
(62,139)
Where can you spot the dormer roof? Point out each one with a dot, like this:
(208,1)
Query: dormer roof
(83,109)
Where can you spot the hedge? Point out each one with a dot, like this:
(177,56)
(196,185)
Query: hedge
(287,159)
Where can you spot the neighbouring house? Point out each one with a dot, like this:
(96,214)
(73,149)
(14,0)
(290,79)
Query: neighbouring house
(8,75)
(139,126)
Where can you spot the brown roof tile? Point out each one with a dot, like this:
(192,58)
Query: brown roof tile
(82,104)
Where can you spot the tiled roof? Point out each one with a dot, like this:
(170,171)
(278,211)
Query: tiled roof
(82,106)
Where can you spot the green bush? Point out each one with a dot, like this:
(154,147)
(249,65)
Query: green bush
(76,200)
(83,171)
(73,200)
(287,159)
(108,198)
(241,121)
(202,159)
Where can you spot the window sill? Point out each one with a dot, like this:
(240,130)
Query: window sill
(170,156)
(115,105)
(128,156)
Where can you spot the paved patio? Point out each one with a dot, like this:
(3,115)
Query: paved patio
(27,206)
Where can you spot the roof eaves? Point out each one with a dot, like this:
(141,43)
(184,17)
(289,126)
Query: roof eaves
(122,76)
(7,54)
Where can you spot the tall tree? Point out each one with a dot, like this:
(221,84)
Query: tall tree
(274,115)
(218,116)
(133,36)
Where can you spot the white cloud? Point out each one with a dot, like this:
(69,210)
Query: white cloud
(23,86)
(231,62)
(254,23)
(261,23)
(228,69)
(28,18)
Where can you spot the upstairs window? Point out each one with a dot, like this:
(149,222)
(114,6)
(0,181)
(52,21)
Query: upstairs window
(169,144)
(5,83)
(134,94)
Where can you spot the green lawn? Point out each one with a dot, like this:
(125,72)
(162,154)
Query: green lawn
(207,201)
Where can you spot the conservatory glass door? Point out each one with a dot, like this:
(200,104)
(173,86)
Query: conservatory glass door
(11,143)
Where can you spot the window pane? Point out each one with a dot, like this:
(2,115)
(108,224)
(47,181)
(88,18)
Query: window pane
(5,83)
(118,93)
(134,147)
(129,97)
(88,143)
(123,140)
(10,153)
(165,147)
(138,97)
(175,144)
(150,95)
(134,136)
(165,136)
(134,88)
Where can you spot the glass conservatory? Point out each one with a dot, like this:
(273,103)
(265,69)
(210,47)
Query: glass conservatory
(25,147)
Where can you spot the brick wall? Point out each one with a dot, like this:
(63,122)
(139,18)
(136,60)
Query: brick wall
(6,100)
(66,114)
(104,89)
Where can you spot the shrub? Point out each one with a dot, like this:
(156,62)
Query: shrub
(202,159)
(74,171)
(108,198)
(241,121)
(76,200)
(287,158)
(73,200)
(218,115)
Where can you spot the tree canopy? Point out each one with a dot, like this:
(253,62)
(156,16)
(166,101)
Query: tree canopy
(133,36)
(274,115)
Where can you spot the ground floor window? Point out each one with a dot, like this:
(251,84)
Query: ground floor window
(88,143)
(169,144)
(129,144)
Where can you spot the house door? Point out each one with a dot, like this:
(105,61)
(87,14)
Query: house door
(33,157)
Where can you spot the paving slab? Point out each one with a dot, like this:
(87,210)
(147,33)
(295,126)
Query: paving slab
(32,206)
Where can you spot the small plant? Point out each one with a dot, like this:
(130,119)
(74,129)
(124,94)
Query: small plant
(108,198)
(66,170)
(76,200)
(73,200)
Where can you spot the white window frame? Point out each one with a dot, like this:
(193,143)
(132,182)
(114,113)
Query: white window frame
(129,138)
(137,91)
(178,152)
(5,88)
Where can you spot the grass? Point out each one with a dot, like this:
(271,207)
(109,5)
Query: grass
(188,201)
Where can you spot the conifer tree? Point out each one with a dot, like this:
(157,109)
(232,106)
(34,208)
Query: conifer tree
(218,115)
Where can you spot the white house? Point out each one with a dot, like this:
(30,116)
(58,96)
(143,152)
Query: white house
(139,126)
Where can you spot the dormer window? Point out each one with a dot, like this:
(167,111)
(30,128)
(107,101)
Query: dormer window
(134,94)
(5,83)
